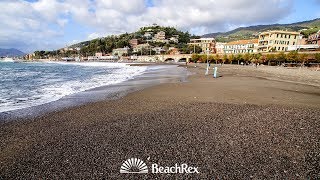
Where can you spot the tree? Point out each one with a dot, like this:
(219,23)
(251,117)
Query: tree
(281,57)
(232,58)
(239,58)
(303,58)
(217,58)
(225,58)
(211,58)
(204,58)
(270,58)
(195,49)
(261,59)
(195,57)
(246,57)
(317,57)
(292,56)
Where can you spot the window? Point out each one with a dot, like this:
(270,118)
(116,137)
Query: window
(288,43)
(281,35)
(285,36)
(295,37)
(278,48)
(277,35)
(289,36)
(294,43)
(282,48)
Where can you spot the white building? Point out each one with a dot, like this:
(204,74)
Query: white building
(241,46)
(220,47)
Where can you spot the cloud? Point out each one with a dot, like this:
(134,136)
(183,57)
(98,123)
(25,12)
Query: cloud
(30,26)
(94,36)
(41,24)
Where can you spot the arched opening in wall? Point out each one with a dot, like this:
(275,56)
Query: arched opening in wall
(182,60)
(169,60)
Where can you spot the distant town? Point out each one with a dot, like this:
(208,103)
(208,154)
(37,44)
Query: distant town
(160,44)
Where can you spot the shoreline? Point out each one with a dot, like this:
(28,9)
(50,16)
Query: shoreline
(229,127)
(149,78)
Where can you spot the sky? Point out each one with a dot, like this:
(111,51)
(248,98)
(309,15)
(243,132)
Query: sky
(30,25)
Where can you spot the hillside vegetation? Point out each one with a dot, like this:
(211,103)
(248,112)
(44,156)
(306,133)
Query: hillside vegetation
(306,28)
(107,44)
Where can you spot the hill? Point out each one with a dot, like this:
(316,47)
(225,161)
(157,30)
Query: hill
(306,27)
(143,35)
(11,52)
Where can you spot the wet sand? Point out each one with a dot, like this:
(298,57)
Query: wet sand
(249,123)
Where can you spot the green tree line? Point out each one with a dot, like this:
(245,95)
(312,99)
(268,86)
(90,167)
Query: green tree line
(267,59)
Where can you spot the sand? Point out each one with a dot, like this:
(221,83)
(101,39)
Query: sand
(249,123)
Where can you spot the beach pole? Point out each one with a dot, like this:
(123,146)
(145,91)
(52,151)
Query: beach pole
(215,72)
(207,71)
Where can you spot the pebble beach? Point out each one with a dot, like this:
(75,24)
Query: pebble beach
(250,123)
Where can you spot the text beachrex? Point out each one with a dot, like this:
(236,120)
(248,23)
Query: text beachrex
(137,166)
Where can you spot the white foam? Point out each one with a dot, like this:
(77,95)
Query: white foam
(55,91)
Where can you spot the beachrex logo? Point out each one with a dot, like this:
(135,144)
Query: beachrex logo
(135,165)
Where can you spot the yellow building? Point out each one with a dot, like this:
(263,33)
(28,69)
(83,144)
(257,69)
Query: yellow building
(208,45)
(277,40)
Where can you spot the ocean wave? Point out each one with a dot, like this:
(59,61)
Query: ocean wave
(42,83)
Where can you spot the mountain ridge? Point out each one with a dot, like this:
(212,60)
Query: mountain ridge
(250,32)
(11,52)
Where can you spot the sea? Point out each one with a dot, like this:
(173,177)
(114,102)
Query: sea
(25,85)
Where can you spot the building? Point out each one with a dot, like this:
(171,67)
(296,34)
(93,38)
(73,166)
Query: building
(103,58)
(173,51)
(310,44)
(160,36)
(208,45)
(314,38)
(220,47)
(277,40)
(174,38)
(241,46)
(148,35)
(304,44)
(98,54)
(120,51)
(139,47)
(133,43)
(29,56)
(159,50)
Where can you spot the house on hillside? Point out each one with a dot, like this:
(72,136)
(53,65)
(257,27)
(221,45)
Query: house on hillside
(121,51)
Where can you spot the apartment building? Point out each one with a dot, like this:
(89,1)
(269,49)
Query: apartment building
(133,43)
(120,51)
(220,47)
(139,47)
(314,38)
(160,36)
(277,40)
(208,45)
(241,46)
